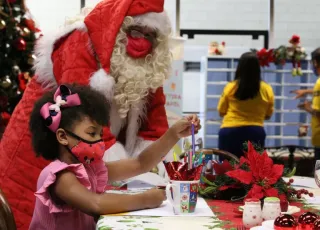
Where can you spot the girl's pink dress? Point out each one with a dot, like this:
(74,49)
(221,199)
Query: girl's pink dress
(49,216)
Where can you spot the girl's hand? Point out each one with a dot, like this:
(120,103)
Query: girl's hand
(182,128)
(154,197)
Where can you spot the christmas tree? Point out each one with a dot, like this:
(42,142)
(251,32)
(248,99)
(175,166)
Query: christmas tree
(18,35)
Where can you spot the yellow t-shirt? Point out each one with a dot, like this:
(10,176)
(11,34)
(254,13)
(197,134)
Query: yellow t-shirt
(250,112)
(315,121)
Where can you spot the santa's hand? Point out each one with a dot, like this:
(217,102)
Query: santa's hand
(182,128)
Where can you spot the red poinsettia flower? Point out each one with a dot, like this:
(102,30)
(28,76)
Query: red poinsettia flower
(221,169)
(265,57)
(262,175)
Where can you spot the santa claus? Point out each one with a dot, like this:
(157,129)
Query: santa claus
(120,49)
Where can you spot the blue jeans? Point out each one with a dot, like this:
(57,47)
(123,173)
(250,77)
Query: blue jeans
(232,139)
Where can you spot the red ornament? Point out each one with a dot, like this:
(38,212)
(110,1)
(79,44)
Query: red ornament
(4,118)
(306,221)
(31,25)
(316,225)
(285,222)
(12,1)
(20,44)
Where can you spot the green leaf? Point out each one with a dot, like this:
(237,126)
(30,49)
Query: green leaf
(205,180)
(105,228)
(126,221)
(291,174)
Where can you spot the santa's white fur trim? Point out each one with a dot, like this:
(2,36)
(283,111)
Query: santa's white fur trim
(116,122)
(141,145)
(104,83)
(43,50)
(115,152)
(136,116)
(159,21)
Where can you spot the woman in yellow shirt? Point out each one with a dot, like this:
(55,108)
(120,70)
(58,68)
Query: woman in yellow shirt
(244,105)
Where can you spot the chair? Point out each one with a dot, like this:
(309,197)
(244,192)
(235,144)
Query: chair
(7,221)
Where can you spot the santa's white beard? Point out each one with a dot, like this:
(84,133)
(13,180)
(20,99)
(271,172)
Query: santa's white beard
(136,77)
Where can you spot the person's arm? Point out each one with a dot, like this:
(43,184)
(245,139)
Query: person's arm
(153,154)
(308,107)
(308,91)
(313,107)
(68,188)
(302,92)
(270,105)
(223,103)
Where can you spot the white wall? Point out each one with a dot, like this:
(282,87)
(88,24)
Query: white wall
(291,16)
(50,14)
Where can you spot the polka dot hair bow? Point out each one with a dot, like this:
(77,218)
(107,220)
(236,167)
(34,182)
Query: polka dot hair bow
(63,98)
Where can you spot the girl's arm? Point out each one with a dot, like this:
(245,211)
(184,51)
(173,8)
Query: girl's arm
(68,189)
(153,154)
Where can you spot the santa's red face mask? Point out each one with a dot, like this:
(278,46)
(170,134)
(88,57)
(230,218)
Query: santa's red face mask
(139,45)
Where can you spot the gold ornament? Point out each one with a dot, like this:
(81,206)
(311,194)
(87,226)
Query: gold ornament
(2,24)
(6,82)
(25,32)
(31,59)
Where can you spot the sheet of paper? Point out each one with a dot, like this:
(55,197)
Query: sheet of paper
(305,182)
(313,200)
(146,180)
(202,210)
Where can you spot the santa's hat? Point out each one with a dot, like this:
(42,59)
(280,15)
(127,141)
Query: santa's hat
(111,13)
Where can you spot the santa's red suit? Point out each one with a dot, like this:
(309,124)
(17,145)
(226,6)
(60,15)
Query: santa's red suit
(82,53)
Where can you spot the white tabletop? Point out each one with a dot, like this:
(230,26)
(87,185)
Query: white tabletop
(121,222)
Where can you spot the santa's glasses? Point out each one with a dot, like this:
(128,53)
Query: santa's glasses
(136,33)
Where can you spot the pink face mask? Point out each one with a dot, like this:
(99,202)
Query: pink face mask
(138,47)
(87,152)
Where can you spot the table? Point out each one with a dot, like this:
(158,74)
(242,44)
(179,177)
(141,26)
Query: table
(225,218)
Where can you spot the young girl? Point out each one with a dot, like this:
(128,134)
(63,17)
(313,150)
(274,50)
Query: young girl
(66,127)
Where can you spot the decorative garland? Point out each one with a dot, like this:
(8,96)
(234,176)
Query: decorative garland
(294,52)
